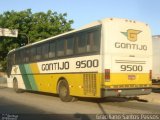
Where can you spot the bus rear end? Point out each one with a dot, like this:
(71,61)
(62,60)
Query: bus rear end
(126,54)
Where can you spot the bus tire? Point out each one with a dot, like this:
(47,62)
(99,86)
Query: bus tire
(15,86)
(63,91)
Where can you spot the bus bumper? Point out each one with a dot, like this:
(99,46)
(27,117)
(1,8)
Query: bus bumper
(125,92)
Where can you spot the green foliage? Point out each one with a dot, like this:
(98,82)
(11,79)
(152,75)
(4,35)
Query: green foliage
(36,26)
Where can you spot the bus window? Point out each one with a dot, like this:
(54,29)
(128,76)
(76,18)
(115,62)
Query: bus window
(89,41)
(60,48)
(93,41)
(33,53)
(9,64)
(22,54)
(45,50)
(70,46)
(17,58)
(96,41)
(81,43)
(12,57)
(38,55)
(52,49)
(27,55)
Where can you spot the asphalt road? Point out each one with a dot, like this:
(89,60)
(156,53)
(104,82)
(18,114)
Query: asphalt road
(29,105)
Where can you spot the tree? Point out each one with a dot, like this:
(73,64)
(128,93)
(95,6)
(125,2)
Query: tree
(36,26)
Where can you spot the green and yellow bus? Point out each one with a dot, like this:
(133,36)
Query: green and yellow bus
(109,57)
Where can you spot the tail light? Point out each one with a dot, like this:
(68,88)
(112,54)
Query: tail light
(107,75)
(150,74)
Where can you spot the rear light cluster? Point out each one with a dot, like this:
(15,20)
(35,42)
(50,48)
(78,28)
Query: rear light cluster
(107,75)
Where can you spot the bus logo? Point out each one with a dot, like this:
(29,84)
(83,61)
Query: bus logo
(131,34)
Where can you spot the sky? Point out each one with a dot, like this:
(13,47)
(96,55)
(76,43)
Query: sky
(86,11)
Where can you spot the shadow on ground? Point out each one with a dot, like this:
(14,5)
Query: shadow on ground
(95,100)
(16,111)
(112,99)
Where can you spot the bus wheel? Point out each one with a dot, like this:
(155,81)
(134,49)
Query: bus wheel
(63,90)
(15,86)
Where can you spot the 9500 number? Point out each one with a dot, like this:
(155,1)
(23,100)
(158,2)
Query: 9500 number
(131,68)
(87,63)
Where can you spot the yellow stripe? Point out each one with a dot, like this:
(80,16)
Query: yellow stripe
(48,82)
(34,68)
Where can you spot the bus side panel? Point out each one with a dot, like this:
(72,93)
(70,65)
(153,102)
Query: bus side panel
(84,82)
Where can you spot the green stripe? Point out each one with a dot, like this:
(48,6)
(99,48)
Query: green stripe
(30,77)
(25,77)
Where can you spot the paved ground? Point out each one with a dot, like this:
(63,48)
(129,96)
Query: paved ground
(32,105)
(29,105)
(3,82)
(154,97)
